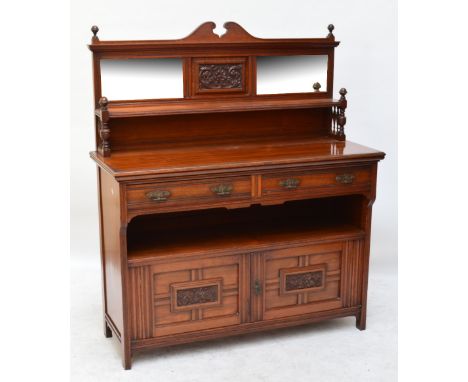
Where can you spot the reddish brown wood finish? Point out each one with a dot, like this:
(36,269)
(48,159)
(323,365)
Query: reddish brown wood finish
(225,212)
(262,155)
(147,108)
(203,40)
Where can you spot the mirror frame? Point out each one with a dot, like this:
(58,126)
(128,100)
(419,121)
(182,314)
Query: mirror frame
(203,43)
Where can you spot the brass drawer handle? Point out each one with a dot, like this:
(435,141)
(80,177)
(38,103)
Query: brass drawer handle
(257,287)
(159,195)
(345,178)
(222,189)
(290,183)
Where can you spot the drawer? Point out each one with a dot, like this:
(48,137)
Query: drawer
(184,296)
(176,195)
(321,181)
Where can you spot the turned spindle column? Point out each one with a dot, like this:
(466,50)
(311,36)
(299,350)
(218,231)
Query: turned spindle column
(338,117)
(104,131)
(341,113)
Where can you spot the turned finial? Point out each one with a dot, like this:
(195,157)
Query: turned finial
(95,30)
(103,101)
(317,86)
(331,27)
(343,93)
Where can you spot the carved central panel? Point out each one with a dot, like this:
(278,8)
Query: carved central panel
(200,295)
(304,280)
(220,76)
(196,294)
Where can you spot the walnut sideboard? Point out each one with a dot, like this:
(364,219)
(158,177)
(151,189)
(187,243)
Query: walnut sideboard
(226,211)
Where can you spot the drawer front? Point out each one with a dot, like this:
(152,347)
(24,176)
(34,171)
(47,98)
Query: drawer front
(173,195)
(185,296)
(308,279)
(294,183)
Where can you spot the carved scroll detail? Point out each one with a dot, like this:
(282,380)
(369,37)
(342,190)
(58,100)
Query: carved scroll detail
(200,295)
(304,280)
(234,32)
(220,76)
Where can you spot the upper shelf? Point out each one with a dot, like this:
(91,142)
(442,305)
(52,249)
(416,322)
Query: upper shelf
(118,109)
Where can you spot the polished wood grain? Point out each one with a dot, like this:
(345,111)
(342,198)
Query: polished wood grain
(168,278)
(240,329)
(126,109)
(110,193)
(208,232)
(204,40)
(297,260)
(226,212)
(229,157)
(217,129)
(293,183)
(190,192)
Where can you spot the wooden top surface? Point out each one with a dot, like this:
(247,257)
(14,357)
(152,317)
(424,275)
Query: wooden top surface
(230,157)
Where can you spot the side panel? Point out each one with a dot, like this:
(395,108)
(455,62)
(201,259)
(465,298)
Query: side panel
(110,209)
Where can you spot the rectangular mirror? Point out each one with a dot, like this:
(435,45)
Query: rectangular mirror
(142,78)
(291,74)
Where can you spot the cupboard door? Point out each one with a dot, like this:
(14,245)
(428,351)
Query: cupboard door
(184,296)
(307,279)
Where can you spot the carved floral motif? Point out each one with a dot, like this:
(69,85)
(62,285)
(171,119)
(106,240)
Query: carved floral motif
(220,76)
(198,295)
(304,280)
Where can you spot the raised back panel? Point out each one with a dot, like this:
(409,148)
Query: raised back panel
(225,128)
(236,44)
(221,69)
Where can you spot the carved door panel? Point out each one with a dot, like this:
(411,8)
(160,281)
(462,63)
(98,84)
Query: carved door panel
(299,280)
(187,296)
